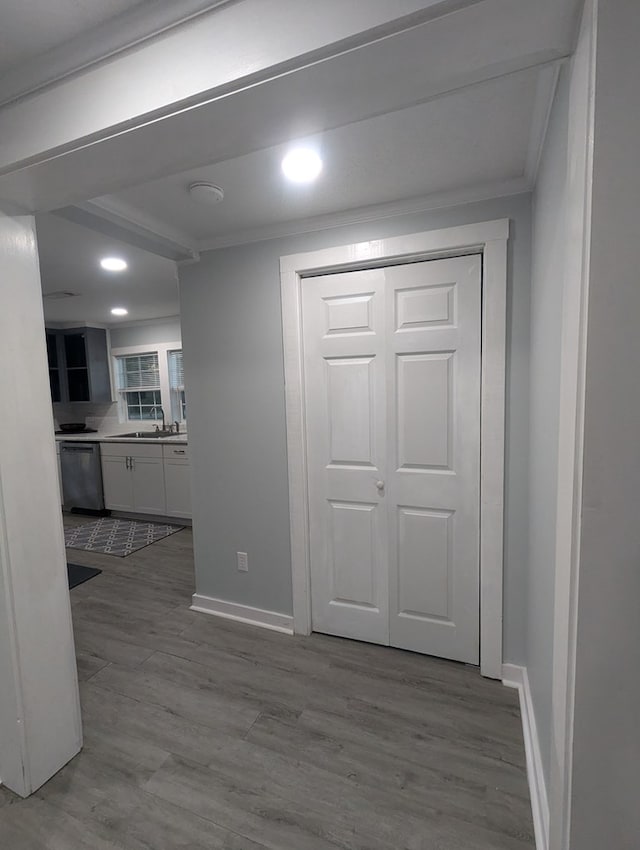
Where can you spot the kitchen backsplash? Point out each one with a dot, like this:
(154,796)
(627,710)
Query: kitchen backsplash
(102,417)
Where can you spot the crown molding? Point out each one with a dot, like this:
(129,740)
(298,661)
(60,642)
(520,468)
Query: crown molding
(135,323)
(130,225)
(362,215)
(139,24)
(78,323)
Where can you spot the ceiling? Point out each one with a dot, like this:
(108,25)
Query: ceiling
(449,111)
(476,136)
(69,262)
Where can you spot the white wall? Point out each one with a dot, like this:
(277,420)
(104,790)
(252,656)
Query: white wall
(585,222)
(39,708)
(560,215)
(146,333)
(577,231)
(232,340)
(606,743)
(549,246)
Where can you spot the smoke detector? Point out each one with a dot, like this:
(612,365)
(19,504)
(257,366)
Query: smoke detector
(206,193)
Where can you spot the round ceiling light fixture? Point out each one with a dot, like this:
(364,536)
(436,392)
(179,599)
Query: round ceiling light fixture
(119,311)
(206,193)
(113,264)
(301,165)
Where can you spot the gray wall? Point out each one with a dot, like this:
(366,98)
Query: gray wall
(547,277)
(232,340)
(606,745)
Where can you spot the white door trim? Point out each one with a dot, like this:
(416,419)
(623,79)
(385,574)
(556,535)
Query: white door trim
(490,239)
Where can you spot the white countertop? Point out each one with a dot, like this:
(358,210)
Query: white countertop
(100,437)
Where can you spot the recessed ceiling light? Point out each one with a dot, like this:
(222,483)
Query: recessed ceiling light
(302,165)
(119,311)
(206,193)
(113,264)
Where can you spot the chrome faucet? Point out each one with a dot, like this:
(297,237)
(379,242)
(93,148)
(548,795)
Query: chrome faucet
(155,409)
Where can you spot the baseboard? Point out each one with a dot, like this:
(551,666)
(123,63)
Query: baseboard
(162,518)
(243,613)
(514,676)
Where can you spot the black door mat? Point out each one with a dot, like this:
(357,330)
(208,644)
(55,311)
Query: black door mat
(78,575)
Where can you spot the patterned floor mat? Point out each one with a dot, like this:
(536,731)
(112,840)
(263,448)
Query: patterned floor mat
(118,537)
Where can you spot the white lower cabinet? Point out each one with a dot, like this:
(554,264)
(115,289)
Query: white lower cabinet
(148,485)
(117,482)
(177,479)
(133,477)
(146,478)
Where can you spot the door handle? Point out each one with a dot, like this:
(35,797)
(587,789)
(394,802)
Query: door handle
(380,485)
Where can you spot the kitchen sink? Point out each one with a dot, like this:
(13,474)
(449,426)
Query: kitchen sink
(145,435)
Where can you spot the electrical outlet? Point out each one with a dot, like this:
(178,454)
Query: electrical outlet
(243,562)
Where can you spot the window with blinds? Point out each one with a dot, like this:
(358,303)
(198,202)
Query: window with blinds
(176,386)
(138,378)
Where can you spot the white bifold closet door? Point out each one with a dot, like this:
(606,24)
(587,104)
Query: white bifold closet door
(392,395)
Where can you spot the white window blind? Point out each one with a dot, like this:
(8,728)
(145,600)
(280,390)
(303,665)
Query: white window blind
(176,385)
(139,372)
(176,370)
(138,377)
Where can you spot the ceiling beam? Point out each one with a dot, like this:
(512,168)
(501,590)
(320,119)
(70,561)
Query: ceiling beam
(234,45)
(385,69)
(117,221)
(142,23)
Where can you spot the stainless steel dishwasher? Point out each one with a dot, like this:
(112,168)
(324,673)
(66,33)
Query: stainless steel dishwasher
(81,476)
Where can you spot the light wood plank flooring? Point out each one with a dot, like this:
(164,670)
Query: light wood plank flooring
(204,733)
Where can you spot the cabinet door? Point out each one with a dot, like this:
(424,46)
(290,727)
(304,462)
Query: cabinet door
(77,370)
(177,474)
(117,481)
(53,358)
(148,486)
(98,364)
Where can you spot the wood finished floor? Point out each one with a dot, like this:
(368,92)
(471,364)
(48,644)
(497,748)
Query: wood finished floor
(202,733)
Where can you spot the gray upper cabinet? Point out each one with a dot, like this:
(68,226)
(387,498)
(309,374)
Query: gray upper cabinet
(78,364)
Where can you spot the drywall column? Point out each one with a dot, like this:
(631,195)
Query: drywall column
(606,742)
(40,728)
(573,203)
